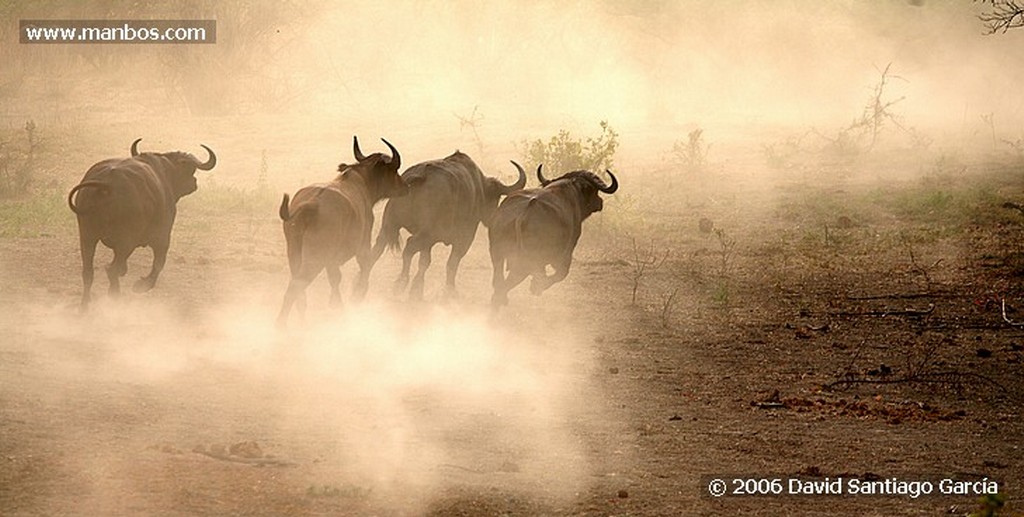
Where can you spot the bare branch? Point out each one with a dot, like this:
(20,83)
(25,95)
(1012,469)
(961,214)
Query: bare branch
(667,303)
(644,261)
(1006,319)
(1005,15)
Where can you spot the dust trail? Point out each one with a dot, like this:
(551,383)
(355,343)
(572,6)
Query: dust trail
(400,400)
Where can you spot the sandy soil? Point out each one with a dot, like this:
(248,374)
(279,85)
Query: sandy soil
(187,401)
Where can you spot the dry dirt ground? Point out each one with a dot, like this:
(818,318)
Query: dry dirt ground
(831,329)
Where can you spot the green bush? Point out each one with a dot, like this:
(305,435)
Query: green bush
(563,153)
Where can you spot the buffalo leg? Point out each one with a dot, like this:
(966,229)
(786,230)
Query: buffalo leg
(333,278)
(411,247)
(452,268)
(500,296)
(297,291)
(300,304)
(377,251)
(159,259)
(514,278)
(542,281)
(503,284)
(366,267)
(362,284)
(88,247)
(118,268)
(416,290)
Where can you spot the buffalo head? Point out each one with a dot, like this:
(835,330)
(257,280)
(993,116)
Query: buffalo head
(180,167)
(587,184)
(379,170)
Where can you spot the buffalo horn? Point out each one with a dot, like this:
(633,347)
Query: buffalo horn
(521,182)
(210,162)
(540,177)
(608,189)
(355,149)
(396,159)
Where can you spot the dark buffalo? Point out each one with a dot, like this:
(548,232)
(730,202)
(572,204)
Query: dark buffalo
(534,228)
(447,200)
(129,203)
(326,224)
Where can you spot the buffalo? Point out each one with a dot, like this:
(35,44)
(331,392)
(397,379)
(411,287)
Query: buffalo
(326,224)
(535,228)
(448,199)
(128,203)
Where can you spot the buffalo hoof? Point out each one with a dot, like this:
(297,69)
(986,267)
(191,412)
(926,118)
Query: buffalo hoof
(143,284)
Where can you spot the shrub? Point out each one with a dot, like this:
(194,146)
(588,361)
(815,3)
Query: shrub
(563,153)
(693,154)
(18,151)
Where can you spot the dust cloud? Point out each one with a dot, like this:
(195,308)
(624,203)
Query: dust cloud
(312,74)
(397,401)
(408,399)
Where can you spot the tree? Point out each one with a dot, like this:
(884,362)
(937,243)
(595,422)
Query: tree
(1003,15)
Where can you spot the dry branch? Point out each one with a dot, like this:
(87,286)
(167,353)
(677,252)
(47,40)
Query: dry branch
(667,302)
(262,462)
(887,312)
(1014,206)
(896,296)
(1005,15)
(644,261)
(1007,319)
(953,378)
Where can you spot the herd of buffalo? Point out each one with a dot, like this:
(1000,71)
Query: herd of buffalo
(128,203)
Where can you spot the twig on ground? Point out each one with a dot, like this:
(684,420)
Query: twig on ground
(898,296)
(887,312)
(954,378)
(1007,319)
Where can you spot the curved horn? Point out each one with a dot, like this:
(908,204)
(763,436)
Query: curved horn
(355,149)
(396,159)
(608,189)
(540,177)
(521,182)
(135,147)
(210,162)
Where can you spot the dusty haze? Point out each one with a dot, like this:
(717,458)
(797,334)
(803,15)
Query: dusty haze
(397,406)
(652,69)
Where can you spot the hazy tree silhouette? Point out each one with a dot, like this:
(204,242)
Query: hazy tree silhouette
(1003,15)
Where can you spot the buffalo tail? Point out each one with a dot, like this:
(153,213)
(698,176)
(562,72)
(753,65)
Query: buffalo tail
(103,187)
